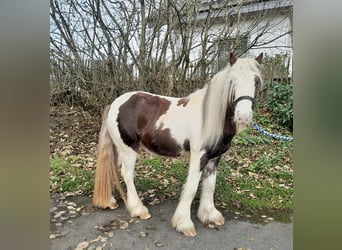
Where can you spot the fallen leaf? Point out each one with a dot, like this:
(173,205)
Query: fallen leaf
(82,245)
(59,214)
(252,196)
(99,238)
(142,234)
(154,202)
(109,234)
(55,235)
(123,224)
(159,244)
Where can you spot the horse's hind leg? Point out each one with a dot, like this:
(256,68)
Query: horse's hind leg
(207,213)
(134,204)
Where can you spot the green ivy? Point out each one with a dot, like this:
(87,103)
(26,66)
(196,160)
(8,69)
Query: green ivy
(280,102)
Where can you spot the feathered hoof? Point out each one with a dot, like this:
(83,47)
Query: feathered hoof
(113,204)
(140,211)
(185,227)
(191,232)
(145,216)
(218,222)
(213,216)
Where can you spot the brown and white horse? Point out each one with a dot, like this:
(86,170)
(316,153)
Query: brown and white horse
(202,123)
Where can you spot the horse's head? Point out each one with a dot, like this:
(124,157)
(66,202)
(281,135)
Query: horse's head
(246,79)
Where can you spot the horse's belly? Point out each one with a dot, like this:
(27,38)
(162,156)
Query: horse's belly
(161,142)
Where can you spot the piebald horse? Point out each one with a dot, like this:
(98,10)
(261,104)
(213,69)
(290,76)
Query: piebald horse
(203,123)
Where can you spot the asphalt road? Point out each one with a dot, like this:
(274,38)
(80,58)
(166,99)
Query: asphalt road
(74,223)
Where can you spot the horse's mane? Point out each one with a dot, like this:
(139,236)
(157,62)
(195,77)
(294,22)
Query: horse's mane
(220,95)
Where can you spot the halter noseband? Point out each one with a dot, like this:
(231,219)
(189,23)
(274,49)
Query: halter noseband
(244,97)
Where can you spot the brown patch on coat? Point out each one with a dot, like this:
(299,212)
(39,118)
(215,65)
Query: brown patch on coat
(183,102)
(137,124)
(211,166)
(186,145)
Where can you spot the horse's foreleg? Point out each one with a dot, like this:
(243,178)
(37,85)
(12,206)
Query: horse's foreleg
(134,204)
(181,219)
(207,213)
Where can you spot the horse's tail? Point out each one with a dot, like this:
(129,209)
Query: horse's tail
(106,168)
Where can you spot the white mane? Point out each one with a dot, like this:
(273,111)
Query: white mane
(220,93)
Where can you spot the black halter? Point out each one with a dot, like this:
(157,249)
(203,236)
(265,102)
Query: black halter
(244,97)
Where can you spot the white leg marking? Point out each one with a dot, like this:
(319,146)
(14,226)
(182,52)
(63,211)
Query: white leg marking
(181,219)
(207,213)
(134,204)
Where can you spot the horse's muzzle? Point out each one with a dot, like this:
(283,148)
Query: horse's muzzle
(244,114)
(244,118)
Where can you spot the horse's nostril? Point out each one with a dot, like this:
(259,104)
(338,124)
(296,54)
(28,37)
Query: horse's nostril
(243,117)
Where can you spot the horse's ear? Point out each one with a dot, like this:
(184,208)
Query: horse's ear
(259,58)
(232,58)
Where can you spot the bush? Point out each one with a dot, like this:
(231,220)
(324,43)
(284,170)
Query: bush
(280,102)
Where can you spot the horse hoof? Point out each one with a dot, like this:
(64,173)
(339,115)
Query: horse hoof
(219,222)
(145,216)
(190,232)
(213,217)
(113,206)
(183,226)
